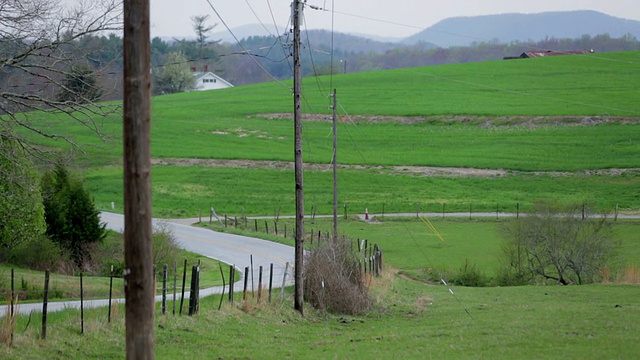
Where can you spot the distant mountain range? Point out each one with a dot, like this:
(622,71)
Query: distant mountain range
(504,28)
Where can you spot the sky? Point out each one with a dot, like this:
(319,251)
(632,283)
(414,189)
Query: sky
(388,18)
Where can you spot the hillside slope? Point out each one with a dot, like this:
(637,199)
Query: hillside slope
(463,31)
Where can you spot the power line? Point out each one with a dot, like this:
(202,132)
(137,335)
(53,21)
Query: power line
(422,28)
(243,48)
(257,17)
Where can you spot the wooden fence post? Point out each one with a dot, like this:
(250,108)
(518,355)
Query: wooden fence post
(270,280)
(164,289)
(43,334)
(110,294)
(13,301)
(251,263)
(81,306)
(184,280)
(259,283)
(246,277)
(194,291)
(232,273)
(223,286)
(175,284)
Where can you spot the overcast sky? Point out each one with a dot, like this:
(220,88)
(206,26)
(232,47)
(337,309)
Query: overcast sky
(389,18)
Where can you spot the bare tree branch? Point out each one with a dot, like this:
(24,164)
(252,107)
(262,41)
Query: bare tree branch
(40,46)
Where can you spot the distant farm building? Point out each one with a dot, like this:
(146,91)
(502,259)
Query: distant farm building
(206,80)
(544,53)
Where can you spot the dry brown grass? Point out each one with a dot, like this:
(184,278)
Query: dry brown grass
(627,276)
(114,310)
(9,324)
(257,300)
(630,275)
(334,280)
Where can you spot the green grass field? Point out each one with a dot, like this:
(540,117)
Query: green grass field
(181,191)
(482,115)
(411,321)
(227,124)
(564,114)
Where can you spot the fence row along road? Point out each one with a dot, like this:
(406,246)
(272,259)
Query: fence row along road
(235,250)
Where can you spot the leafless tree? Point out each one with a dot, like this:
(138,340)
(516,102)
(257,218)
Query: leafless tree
(568,245)
(40,45)
(201,29)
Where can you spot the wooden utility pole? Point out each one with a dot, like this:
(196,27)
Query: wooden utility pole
(335,167)
(297,119)
(138,251)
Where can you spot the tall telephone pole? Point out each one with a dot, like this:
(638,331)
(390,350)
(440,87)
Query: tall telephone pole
(138,244)
(297,120)
(335,166)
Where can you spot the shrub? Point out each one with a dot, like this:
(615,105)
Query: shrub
(469,275)
(334,281)
(165,245)
(562,244)
(40,254)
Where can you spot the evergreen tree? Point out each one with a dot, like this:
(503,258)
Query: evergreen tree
(71,217)
(79,87)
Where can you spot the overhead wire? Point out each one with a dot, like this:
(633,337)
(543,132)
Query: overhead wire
(257,17)
(282,45)
(243,48)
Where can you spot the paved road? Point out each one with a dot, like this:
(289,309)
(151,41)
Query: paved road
(232,249)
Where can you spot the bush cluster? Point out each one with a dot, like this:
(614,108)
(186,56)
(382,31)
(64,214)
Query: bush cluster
(334,280)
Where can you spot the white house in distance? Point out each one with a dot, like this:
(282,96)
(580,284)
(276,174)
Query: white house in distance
(206,80)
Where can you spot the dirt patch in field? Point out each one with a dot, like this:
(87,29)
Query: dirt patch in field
(528,121)
(404,170)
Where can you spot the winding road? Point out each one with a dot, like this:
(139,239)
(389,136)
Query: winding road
(235,250)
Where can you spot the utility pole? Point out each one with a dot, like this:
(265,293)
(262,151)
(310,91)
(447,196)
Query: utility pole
(297,120)
(138,244)
(335,166)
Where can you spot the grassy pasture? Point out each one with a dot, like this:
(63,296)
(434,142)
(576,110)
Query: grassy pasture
(412,321)
(410,245)
(224,124)
(183,191)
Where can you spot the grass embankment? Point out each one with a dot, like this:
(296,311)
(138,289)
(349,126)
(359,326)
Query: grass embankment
(29,284)
(411,321)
